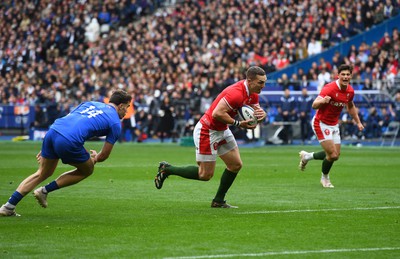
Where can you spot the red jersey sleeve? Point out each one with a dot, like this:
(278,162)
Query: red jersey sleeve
(325,91)
(234,99)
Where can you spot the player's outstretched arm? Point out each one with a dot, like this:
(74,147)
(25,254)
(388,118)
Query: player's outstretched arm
(103,154)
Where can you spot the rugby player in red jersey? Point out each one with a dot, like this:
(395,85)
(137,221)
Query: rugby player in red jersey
(329,104)
(213,137)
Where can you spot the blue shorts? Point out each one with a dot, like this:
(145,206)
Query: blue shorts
(56,146)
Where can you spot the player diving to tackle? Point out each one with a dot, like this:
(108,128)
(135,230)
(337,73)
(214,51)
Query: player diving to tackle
(65,140)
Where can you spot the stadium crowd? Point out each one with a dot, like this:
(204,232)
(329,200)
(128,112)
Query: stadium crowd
(175,60)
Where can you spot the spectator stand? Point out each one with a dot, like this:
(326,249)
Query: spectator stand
(183,49)
(368,37)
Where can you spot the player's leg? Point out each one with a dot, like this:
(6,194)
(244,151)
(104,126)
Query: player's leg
(70,153)
(165,169)
(206,155)
(229,153)
(82,171)
(323,133)
(46,169)
(305,156)
(204,171)
(332,154)
(47,166)
(332,150)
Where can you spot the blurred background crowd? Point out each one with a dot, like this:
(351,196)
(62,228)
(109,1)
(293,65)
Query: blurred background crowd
(174,57)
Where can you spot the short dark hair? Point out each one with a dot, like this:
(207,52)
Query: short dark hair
(345,67)
(254,71)
(120,96)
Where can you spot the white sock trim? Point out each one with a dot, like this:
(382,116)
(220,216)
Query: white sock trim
(9,206)
(324,176)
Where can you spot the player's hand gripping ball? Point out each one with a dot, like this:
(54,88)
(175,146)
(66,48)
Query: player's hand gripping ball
(247,113)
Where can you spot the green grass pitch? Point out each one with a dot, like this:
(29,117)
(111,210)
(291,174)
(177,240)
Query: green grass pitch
(283,213)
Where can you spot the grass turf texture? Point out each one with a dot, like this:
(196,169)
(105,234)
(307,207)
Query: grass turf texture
(118,213)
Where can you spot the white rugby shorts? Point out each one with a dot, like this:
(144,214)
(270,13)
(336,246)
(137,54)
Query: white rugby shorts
(325,132)
(212,143)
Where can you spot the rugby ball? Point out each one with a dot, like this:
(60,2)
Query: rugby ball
(247,113)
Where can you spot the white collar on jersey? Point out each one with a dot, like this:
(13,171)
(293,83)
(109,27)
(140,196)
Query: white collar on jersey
(247,88)
(338,85)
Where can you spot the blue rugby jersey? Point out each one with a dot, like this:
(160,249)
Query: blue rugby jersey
(88,120)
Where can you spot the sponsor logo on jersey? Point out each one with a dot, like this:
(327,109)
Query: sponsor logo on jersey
(337,104)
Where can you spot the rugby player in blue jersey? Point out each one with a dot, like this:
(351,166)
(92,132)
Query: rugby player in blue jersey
(65,140)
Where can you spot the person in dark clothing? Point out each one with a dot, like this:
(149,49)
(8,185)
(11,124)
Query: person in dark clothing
(288,114)
(40,118)
(304,103)
(142,125)
(166,124)
(374,123)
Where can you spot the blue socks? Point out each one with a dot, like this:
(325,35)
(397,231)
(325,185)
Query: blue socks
(52,186)
(15,198)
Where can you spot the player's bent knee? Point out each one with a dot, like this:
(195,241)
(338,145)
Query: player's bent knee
(205,176)
(85,169)
(89,172)
(334,157)
(85,172)
(235,167)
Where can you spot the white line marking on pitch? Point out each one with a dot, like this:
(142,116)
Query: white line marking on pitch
(327,251)
(314,210)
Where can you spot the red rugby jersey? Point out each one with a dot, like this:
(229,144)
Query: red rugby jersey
(329,113)
(235,96)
